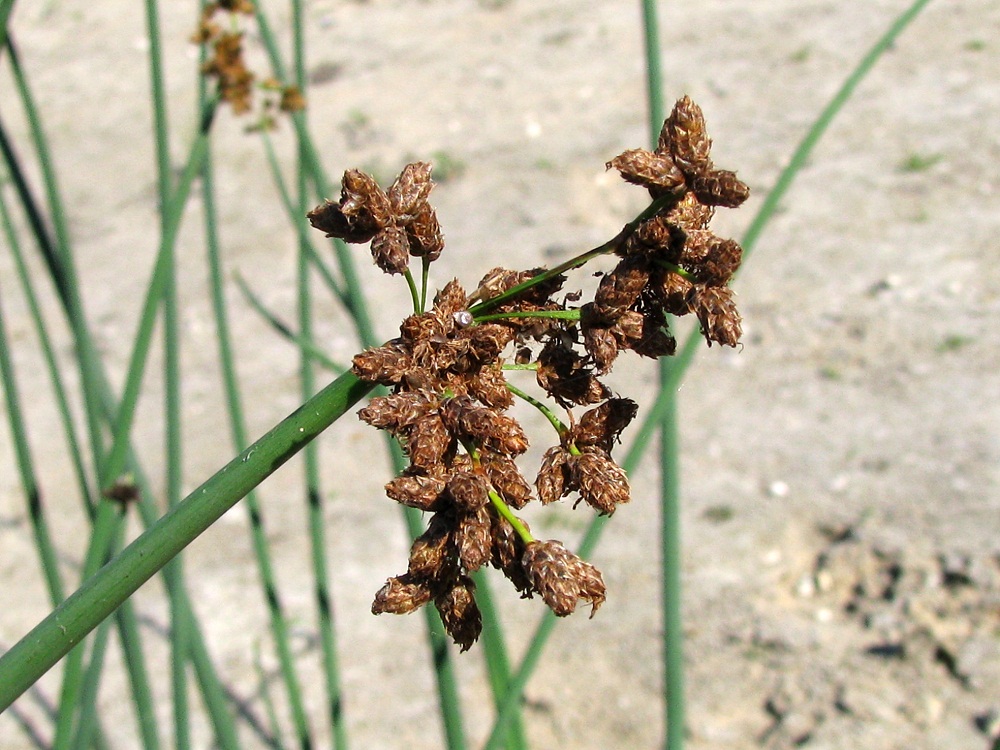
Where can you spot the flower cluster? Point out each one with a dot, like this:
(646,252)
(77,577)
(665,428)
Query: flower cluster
(227,65)
(447,372)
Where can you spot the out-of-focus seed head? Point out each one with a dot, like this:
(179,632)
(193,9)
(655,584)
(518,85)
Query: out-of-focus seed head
(561,578)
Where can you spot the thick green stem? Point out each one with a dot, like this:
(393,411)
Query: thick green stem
(104,592)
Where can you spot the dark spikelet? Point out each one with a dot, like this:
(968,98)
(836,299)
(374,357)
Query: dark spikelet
(719,188)
(602,425)
(620,289)
(428,554)
(602,346)
(460,614)
(507,549)
(561,578)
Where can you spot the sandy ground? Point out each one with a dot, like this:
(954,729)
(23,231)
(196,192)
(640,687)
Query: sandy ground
(841,553)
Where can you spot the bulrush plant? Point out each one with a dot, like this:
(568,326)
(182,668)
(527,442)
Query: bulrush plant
(447,371)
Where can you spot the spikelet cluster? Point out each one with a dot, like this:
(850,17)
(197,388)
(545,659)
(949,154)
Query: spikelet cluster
(447,372)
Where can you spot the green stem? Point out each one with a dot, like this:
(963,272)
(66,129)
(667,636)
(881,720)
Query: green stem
(104,592)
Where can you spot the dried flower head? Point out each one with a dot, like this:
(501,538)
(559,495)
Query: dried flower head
(451,371)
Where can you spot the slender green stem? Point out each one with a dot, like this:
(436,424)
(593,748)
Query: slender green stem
(616,242)
(26,470)
(497,658)
(104,592)
(557,423)
(503,509)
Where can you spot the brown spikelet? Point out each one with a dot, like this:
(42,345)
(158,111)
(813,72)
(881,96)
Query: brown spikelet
(690,213)
(561,578)
(619,289)
(385,364)
(489,385)
(492,430)
(428,553)
(507,549)
(424,234)
(472,536)
(677,294)
(390,250)
(656,171)
(551,480)
(410,190)
(721,263)
(601,482)
(716,310)
(396,411)
(469,490)
(429,441)
(362,212)
(719,188)
(602,346)
(401,595)
(460,614)
(660,236)
(417,491)
(602,425)
(506,479)
(684,136)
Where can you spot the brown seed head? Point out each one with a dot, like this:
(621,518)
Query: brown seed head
(561,578)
